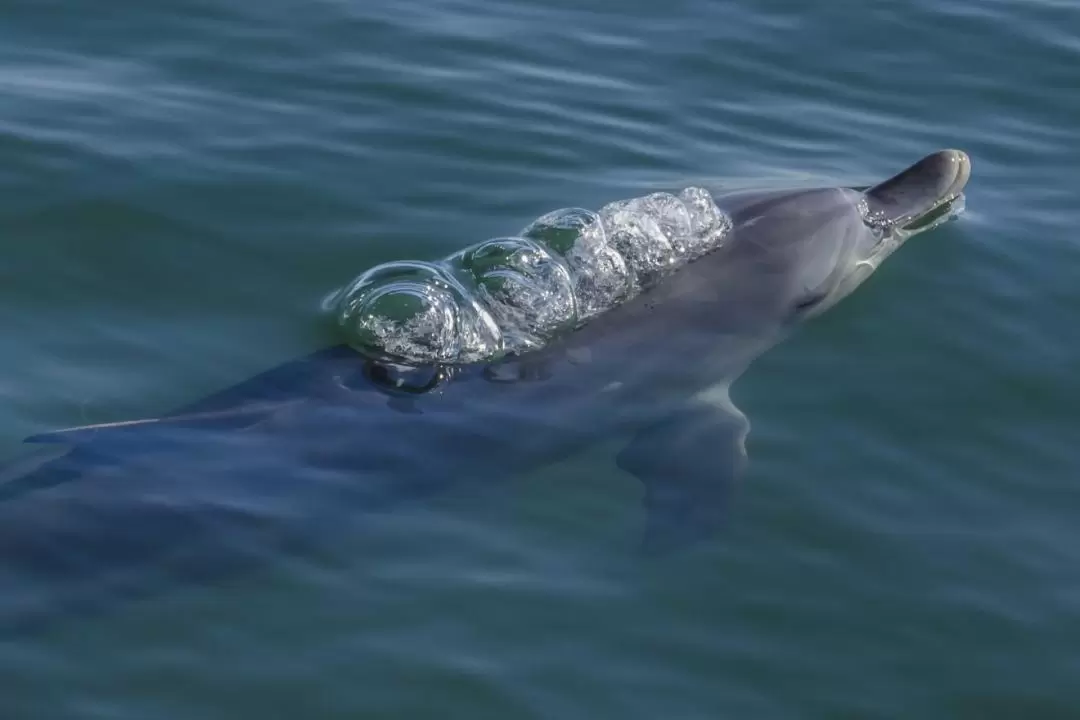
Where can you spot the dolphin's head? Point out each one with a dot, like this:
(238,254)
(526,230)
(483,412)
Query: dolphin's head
(816,246)
(918,199)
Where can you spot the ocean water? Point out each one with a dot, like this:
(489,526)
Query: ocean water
(182,183)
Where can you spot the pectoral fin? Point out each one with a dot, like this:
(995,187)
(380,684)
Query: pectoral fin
(689,463)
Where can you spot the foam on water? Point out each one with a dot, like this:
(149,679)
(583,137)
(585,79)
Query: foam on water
(512,294)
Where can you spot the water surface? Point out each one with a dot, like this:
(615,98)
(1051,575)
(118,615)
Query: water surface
(182,183)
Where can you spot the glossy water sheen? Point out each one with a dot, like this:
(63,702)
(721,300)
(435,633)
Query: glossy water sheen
(182,183)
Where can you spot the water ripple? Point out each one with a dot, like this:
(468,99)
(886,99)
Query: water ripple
(181,182)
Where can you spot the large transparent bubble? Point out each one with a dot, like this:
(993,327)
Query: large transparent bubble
(598,272)
(416,313)
(527,289)
(512,294)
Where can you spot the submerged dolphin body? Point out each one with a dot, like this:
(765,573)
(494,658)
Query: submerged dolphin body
(280,460)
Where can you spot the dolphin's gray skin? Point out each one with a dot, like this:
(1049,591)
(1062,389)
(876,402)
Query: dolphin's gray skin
(283,459)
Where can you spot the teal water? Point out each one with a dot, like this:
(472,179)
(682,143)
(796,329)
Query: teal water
(181,184)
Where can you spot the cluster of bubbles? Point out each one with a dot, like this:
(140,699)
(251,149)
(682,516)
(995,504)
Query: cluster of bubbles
(513,294)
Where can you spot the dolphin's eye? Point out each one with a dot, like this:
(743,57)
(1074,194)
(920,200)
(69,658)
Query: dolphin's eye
(810,301)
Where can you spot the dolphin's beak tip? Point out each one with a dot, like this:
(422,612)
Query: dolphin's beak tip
(962,167)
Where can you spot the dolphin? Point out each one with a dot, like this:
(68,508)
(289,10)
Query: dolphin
(282,461)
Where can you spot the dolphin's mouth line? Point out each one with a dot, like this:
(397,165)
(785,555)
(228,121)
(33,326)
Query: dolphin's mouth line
(946,209)
(922,219)
(940,212)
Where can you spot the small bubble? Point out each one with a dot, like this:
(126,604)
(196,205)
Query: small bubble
(415,312)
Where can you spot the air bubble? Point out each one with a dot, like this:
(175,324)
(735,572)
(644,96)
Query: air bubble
(527,289)
(513,294)
(416,312)
(598,272)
